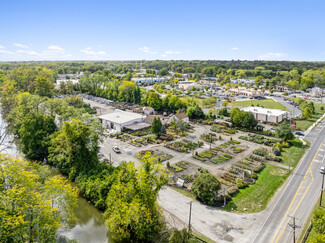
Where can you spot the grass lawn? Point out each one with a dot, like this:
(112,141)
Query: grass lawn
(303,125)
(269,180)
(268,103)
(187,97)
(304,229)
(297,151)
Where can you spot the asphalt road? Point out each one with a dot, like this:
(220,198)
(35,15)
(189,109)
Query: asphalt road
(299,196)
(294,112)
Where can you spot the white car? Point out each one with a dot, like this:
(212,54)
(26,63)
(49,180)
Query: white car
(116,149)
(322,170)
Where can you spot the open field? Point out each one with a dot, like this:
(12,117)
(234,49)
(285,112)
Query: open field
(303,125)
(255,197)
(268,103)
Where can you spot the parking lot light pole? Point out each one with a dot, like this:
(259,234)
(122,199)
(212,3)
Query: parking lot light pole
(321,192)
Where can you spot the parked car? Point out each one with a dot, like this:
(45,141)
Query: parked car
(322,170)
(299,133)
(116,149)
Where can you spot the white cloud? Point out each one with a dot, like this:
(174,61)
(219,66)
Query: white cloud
(234,48)
(146,49)
(54,48)
(21,45)
(91,52)
(4,51)
(272,55)
(32,53)
(171,53)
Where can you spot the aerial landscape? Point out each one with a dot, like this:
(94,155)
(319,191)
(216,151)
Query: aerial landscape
(162,121)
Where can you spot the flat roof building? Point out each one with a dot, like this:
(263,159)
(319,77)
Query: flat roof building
(267,115)
(119,119)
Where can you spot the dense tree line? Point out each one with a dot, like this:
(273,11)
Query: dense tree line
(62,133)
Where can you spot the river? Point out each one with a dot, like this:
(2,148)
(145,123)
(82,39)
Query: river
(90,226)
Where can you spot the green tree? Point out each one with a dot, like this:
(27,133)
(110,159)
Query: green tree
(258,81)
(308,113)
(249,120)
(44,86)
(284,131)
(32,206)
(316,238)
(74,148)
(132,211)
(319,221)
(156,125)
(154,101)
(35,133)
(205,187)
(163,72)
(179,125)
(195,112)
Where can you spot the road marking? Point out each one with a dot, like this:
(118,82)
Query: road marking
(303,196)
(275,238)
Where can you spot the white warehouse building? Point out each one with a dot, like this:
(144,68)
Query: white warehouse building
(117,120)
(148,80)
(267,115)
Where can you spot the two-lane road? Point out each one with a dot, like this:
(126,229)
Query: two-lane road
(299,195)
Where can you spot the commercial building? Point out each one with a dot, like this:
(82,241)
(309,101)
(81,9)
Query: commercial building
(267,115)
(186,85)
(148,80)
(244,92)
(118,120)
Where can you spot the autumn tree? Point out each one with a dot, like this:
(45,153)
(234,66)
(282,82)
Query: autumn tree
(32,207)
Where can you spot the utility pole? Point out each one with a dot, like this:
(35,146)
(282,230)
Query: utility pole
(294,226)
(289,160)
(189,220)
(321,192)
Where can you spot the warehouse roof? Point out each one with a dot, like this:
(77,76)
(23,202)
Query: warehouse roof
(121,117)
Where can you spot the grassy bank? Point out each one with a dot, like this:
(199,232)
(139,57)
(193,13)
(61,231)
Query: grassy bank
(297,151)
(303,125)
(255,197)
(268,103)
(304,229)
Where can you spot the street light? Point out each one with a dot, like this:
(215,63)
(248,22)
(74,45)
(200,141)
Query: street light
(321,192)
(189,220)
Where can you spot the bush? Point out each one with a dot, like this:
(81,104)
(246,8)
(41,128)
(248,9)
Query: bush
(322,108)
(276,152)
(202,170)
(258,168)
(232,190)
(240,183)
(205,187)
(285,144)
(278,146)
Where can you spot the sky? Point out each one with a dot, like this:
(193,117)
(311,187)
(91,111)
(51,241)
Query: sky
(33,30)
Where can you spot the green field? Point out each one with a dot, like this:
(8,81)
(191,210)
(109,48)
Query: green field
(260,193)
(303,125)
(297,151)
(268,103)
